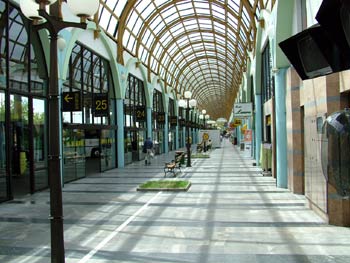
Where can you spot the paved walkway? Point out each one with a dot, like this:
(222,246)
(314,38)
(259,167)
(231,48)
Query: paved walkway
(231,213)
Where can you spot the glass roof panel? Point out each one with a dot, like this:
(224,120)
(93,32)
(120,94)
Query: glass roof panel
(186,42)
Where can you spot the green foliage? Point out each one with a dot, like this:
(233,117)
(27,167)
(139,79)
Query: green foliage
(200,155)
(164,184)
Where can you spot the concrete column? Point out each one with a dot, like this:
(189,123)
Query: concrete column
(177,136)
(258,127)
(120,132)
(281,129)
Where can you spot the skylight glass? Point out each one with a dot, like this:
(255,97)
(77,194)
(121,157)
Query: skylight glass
(186,42)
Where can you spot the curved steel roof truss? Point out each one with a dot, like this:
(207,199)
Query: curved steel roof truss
(194,45)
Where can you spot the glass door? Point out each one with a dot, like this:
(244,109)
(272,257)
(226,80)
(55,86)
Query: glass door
(20,172)
(39,145)
(108,150)
(73,154)
(127,147)
(3,177)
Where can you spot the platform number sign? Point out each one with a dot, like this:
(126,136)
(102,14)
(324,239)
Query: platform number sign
(140,113)
(100,105)
(173,121)
(161,117)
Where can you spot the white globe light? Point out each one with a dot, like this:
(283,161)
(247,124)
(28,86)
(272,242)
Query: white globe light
(188,94)
(182,103)
(207,117)
(204,111)
(193,103)
(84,8)
(61,43)
(30,9)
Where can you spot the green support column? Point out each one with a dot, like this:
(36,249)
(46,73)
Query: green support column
(120,132)
(258,127)
(184,136)
(281,129)
(149,123)
(177,137)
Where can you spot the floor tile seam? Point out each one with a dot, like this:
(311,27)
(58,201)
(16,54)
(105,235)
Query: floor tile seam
(78,252)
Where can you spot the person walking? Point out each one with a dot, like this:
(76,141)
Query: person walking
(148,149)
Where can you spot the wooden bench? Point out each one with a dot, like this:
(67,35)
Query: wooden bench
(170,167)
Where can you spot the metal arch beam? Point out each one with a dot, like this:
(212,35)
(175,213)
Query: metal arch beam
(195,59)
(215,87)
(219,85)
(111,11)
(206,57)
(128,9)
(219,82)
(210,93)
(217,78)
(200,58)
(194,17)
(214,111)
(180,50)
(215,67)
(175,74)
(121,29)
(173,3)
(188,33)
(231,85)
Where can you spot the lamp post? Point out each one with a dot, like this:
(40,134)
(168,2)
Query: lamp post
(36,10)
(203,114)
(204,117)
(188,103)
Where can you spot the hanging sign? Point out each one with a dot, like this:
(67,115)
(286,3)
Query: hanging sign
(243,109)
(173,121)
(248,135)
(237,122)
(140,113)
(100,105)
(161,117)
(71,101)
(182,122)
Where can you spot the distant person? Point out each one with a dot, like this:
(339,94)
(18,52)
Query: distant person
(209,145)
(148,149)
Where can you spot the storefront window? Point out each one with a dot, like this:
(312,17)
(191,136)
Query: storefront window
(89,135)
(172,123)
(135,117)
(158,122)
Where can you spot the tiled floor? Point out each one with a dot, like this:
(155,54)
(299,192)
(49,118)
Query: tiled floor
(231,213)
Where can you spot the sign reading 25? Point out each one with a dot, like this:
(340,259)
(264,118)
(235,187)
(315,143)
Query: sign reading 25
(100,105)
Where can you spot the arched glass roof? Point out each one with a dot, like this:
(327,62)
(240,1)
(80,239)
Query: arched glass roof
(194,45)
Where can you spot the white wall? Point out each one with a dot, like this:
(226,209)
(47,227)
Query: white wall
(214,136)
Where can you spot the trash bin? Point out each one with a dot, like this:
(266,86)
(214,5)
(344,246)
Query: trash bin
(177,154)
(242,146)
(235,141)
